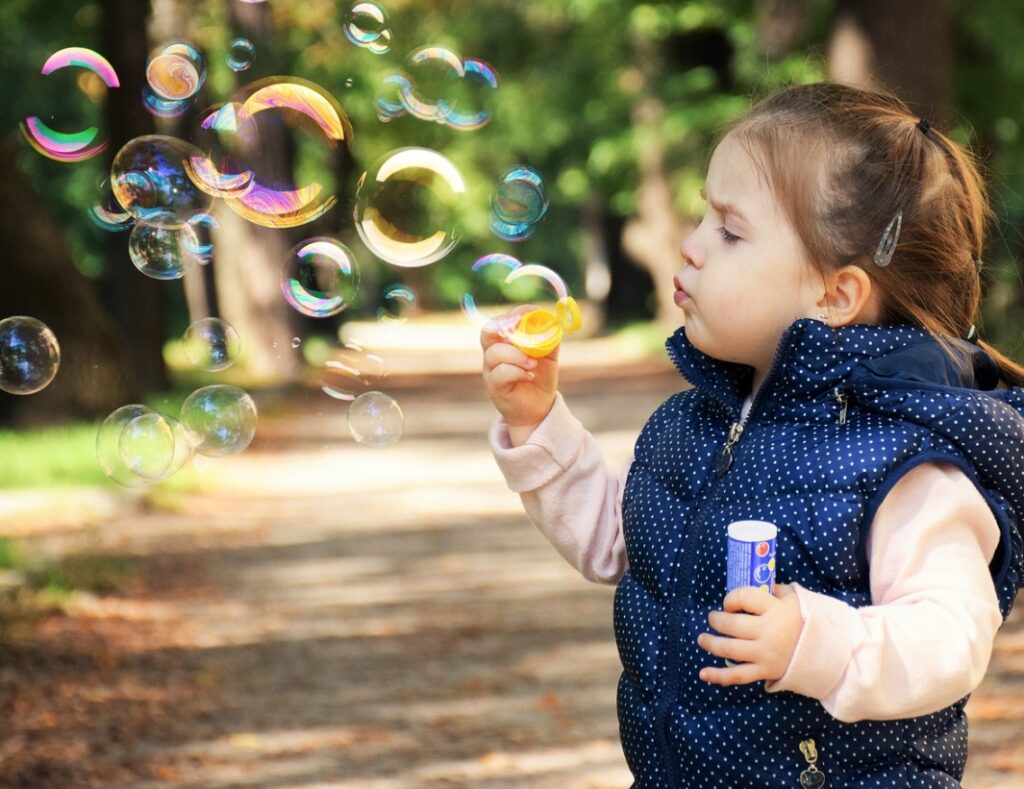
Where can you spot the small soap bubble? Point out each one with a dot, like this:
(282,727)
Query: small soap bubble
(375,420)
(29,355)
(108,445)
(348,82)
(365,24)
(398,302)
(320,277)
(465,105)
(351,372)
(518,203)
(149,180)
(241,53)
(382,44)
(160,107)
(296,342)
(220,420)
(200,243)
(487,287)
(146,446)
(212,344)
(176,71)
(107,214)
(162,252)
(406,207)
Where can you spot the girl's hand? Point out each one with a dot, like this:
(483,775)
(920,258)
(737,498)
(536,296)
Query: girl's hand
(522,388)
(760,629)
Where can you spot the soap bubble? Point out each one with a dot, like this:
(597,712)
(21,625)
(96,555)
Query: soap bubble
(149,181)
(351,372)
(74,146)
(29,355)
(162,252)
(241,53)
(146,446)
(320,277)
(406,205)
(107,214)
(108,445)
(487,286)
(227,178)
(220,420)
(212,344)
(200,243)
(365,24)
(303,107)
(398,302)
(176,71)
(375,420)
(382,44)
(518,203)
(432,71)
(464,105)
(160,107)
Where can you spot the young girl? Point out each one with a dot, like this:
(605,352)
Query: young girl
(839,392)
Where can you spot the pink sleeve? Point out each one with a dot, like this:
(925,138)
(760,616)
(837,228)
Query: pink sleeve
(568,491)
(927,637)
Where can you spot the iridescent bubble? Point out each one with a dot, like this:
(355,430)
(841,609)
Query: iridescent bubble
(176,71)
(464,106)
(241,53)
(160,107)
(375,420)
(146,446)
(365,24)
(108,445)
(382,44)
(518,203)
(162,252)
(351,372)
(212,344)
(148,179)
(320,277)
(107,214)
(29,355)
(433,70)
(200,243)
(406,207)
(398,302)
(220,420)
(488,276)
(299,104)
(390,108)
(73,146)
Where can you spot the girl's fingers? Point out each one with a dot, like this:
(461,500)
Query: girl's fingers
(749,599)
(508,374)
(736,625)
(503,353)
(494,330)
(724,647)
(742,674)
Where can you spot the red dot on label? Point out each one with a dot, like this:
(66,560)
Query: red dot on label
(762,549)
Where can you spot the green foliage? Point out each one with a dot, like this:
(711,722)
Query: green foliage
(61,457)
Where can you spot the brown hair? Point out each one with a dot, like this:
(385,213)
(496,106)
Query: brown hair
(871,158)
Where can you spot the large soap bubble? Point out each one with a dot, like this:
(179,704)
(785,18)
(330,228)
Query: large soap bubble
(406,207)
(148,179)
(29,355)
(163,252)
(220,420)
(71,146)
(375,420)
(320,277)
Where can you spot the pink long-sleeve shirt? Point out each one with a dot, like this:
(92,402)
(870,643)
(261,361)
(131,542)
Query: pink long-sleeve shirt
(925,641)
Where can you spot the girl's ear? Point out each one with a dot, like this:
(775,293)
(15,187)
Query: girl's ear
(850,297)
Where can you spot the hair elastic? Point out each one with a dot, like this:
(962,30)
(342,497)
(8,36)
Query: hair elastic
(924,125)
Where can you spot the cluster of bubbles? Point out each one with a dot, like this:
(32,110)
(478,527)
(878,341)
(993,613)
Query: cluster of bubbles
(440,86)
(518,203)
(164,190)
(29,355)
(366,26)
(137,445)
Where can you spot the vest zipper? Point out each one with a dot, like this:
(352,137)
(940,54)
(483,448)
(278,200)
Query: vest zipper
(843,399)
(723,462)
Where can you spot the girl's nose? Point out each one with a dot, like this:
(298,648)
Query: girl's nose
(691,252)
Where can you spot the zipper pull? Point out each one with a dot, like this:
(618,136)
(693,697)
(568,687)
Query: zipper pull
(843,399)
(724,459)
(812,777)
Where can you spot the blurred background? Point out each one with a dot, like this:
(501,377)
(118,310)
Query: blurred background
(313,610)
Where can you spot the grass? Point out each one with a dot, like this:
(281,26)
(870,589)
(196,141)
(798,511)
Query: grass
(50,457)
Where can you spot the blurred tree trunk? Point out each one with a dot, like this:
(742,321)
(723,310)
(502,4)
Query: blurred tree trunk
(41,281)
(136,302)
(906,47)
(248,258)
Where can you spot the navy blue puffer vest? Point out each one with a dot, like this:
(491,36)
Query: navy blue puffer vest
(841,416)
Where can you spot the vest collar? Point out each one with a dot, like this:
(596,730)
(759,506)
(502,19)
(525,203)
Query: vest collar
(812,359)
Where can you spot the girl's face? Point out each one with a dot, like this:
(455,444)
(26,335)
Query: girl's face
(745,277)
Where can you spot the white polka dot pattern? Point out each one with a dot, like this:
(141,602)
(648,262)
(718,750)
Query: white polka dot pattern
(819,478)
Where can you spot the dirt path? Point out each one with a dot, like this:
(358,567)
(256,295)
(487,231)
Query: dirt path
(345,617)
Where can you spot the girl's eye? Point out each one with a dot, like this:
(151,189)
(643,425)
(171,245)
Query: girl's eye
(728,237)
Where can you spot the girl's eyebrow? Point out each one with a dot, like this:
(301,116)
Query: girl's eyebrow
(724,208)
